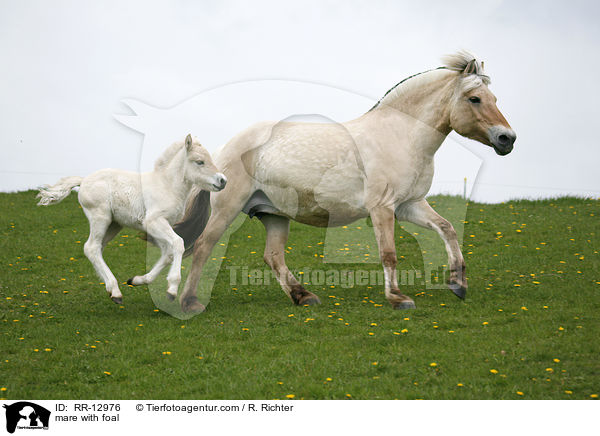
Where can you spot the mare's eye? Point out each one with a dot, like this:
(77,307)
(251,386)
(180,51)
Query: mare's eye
(200,162)
(474,99)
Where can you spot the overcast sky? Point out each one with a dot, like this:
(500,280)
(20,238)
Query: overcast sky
(66,67)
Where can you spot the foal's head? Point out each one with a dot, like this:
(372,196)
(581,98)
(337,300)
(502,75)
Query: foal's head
(199,167)
(473,110)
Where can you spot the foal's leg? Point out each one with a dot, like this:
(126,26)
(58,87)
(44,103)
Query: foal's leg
(422,214)
(383,224)
(171,247)
(278,228)
(99,223)
(111,232)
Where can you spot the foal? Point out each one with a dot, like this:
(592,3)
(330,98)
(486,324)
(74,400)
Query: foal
(151,202)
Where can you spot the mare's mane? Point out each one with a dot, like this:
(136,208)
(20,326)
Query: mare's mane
(461,61)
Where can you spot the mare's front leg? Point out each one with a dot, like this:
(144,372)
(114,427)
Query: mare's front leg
(422,214)
(171,247)
(278,228)
(383,224)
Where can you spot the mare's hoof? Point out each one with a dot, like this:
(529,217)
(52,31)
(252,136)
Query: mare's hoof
(192,305)
(310,300)
(405,305)
(117,300)
(458,290)
(170,297)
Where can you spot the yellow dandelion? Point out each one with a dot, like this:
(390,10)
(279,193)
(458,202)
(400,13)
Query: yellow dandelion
(568,392)
(460,385)
(106,372)
(556,360)
(404,331)
(290,396)
(371,333)
(519,393)
(594,396)
(375,363)
(494,371)
(433,364)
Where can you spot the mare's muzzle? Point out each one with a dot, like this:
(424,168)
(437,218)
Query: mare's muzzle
(502,139)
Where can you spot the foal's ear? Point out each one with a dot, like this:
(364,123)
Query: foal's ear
(188,142)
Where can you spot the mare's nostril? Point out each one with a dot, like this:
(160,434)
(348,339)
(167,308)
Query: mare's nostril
(503,139)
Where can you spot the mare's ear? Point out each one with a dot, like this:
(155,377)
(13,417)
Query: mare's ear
(471,67)
(188,142)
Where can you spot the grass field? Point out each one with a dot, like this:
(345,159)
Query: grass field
(527,330)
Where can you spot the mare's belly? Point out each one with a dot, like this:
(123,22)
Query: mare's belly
(336,199)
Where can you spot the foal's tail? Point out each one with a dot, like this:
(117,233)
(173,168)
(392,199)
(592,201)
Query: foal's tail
(194,220)
(55,194)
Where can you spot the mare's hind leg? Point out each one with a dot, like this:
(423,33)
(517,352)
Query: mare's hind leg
(218,222)
(171,247)
(383,224)
(278,228)
(99,224)
(225,206)
(422,214)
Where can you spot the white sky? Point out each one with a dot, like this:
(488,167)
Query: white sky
(67,65)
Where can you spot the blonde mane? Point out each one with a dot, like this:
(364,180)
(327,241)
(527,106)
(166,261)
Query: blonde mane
(168,155)
(462,62)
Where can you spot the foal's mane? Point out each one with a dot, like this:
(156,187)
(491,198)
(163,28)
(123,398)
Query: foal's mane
(168,155)
(462,61)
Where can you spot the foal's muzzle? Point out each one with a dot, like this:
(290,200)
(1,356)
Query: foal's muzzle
(502,139)
(220,181)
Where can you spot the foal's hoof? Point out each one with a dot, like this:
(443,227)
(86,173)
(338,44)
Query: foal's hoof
(117,300)
(405,305)
(171,297)
(130,281)
(458,290)
(192,305)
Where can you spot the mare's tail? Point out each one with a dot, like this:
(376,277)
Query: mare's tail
(55,194)
(194,220)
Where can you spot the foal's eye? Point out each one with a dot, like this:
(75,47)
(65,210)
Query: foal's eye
(200,162)
(474,99)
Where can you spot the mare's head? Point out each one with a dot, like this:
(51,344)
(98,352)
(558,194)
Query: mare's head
(473,111)
(199,167)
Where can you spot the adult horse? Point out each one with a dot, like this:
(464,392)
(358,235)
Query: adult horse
(378,165)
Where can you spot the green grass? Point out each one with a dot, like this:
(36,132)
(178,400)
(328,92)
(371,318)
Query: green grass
(533,297)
